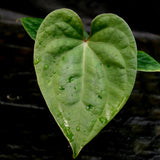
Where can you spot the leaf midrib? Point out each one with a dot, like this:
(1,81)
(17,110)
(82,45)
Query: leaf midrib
(80,145)
(83,69)
(82,85)
(105,76)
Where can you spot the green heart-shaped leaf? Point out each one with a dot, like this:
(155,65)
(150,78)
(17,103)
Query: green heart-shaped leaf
(84,82)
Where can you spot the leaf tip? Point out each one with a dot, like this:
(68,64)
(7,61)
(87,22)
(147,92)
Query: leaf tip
(76,148)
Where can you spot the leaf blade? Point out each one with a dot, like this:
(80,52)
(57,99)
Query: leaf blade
(113,35)
(146,63)
(60,48)
(31,25)
(73,75)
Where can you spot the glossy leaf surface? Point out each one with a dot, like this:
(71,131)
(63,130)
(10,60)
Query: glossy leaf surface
(84,83)
(31,25)
(146,63)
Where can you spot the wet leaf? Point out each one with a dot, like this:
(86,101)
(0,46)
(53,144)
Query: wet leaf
(146,63)
(31,25)
(85,83)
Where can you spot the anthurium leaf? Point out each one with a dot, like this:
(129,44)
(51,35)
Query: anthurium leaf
(146,63)
(84,83)
(31,25)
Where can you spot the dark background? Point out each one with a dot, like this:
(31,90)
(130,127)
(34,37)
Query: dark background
(28,130)
(140,14)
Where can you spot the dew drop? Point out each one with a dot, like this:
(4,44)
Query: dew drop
(90,106)
(70,79)
(66,125)
(61,88)
(72,138)
(70,135)
(36,61)
(77,128)
(99,96)
(46,66)
(87,108)
(103,120)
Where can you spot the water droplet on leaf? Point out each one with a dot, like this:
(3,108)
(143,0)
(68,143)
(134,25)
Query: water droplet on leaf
(90,106)
(77,128)
(61,88)
(99,96)
(70,135)
(70,79)
(46,66)
(103,120)
(36,61)
(72,138)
